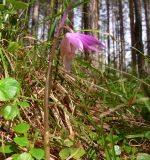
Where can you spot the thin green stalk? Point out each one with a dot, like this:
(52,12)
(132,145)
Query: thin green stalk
(108,156)
(4,63)
(112,143)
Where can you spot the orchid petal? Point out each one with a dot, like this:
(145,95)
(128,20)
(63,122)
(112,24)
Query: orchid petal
(67,61)
(76,42)
(92,48)
(64,47)
(90,40)
(67,52)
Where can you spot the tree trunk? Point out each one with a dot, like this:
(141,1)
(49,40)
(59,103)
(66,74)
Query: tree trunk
(35,18)
(133,53)
(85,17)
(122,51)
(86,25)
(147,19)
(90,20)
(94,16)
(117,35)
(108,39)
(138,37)
(113,24)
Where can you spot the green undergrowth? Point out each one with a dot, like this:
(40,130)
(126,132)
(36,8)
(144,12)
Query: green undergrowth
(94,114)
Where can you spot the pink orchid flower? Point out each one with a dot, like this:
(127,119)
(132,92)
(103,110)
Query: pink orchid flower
(77,41)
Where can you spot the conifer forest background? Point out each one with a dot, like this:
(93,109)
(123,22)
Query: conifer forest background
(100,110)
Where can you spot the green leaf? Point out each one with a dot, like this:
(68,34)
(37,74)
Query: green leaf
(37,153)
(127,149)
(7,148)
(147,134)
(64,153)
(13,46)
(143,156)
(10,112)
(77,153)
(117,150)
(53,26)
(21,141)
(9,88)
(23,104)
(134,150)
(15,156)
(18,4)
(68,142)
(22,128)
(24,156)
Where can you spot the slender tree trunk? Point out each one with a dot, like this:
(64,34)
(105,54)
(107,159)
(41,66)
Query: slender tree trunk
(98,16)
(35,18)
(113,22)
(108,39)
(94,16)
(133,53)
(147,19)
(117,35)
(90,20)
(138,37)
(122,51)
(86,24)
(34,29)
(85,17)
(101,56)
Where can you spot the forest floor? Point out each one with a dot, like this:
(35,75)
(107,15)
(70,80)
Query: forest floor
(102,113)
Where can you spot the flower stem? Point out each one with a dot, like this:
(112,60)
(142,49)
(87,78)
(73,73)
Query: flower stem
(48,86)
